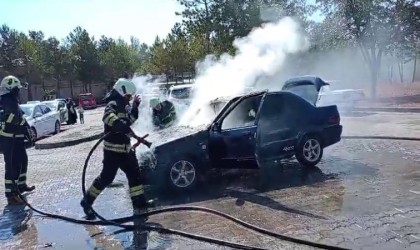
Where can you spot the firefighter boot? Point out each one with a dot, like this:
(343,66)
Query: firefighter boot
(26,188)
(86,204)
(141,206)
(15,200)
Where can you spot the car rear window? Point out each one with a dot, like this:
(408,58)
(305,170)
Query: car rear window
(183,93)
(85,97)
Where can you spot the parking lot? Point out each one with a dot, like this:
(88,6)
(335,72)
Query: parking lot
(363,195)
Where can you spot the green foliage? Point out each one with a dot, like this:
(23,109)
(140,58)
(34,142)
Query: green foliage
(374,27)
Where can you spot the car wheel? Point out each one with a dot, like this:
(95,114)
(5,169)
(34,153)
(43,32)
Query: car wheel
(57,127)
(182,175)
(34,135)
(309,151)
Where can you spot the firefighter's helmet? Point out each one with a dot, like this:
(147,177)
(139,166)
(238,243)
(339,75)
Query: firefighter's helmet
(125,87)
(154,102)
(10,82)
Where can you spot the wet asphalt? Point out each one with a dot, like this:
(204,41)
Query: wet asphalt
(365,194)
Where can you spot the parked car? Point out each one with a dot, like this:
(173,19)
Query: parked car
(32,102)
(332,93)
(321,93)
(181,94)
(42,120)
(249,132)
(87,101)
(60,107)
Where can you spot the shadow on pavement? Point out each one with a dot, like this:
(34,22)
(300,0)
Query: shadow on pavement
(245,185)
(146,239)
(14,221)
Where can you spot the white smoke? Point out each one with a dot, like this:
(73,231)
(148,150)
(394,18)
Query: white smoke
(261,53)
(146,88)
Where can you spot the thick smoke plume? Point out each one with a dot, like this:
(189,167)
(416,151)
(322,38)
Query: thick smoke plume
(261,53)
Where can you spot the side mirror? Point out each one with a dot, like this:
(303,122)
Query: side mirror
(37,115)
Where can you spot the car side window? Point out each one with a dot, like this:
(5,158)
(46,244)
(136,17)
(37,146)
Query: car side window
(243,115)
(45,109)
(273,107)
(37,109)
(284,109)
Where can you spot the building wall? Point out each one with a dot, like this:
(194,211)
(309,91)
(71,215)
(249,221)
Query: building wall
(97,89)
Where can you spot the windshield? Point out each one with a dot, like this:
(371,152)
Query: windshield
(182,93)
(85,97)
(27,110)
(51,105)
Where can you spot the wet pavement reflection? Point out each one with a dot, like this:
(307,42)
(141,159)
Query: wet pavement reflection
(357,189)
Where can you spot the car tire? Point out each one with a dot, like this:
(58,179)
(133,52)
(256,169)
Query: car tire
(182,175)
(57,127)
(310,151)
(34,134)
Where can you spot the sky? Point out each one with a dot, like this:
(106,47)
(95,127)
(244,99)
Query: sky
(143,19)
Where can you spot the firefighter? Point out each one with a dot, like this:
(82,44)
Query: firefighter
(119,115)
(163,113)
(14,129)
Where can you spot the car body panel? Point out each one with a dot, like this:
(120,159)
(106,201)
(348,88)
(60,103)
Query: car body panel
(60,107)
(87,101)
(263,139)
(40,117)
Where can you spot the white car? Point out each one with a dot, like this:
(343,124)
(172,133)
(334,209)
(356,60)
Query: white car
(42,120)
(333,94)
(60,107)
(181,94)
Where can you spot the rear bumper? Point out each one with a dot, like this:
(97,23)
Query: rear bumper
(332,135)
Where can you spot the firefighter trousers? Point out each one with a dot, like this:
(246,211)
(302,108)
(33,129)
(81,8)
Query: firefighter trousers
(16,163)
(128,163)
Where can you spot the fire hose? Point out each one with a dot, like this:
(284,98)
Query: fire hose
(119,222)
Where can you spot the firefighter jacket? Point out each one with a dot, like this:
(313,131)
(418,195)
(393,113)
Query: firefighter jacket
(165,116)
(118,117)
(13,124)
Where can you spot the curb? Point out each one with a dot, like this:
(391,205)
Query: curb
(397,110)
(379,137)
(68,143)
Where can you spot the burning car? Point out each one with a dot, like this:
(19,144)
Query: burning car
(250,131)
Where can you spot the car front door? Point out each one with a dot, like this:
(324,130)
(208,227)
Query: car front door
(280,120)
(232,140)
(48,118)
(39,121)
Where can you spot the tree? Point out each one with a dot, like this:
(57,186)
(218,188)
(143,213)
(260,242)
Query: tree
(367,24)
(84,57)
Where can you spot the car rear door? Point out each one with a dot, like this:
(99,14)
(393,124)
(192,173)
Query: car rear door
(232,143)
(280,120)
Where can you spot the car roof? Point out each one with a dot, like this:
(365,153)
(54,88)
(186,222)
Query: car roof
(29,104)
(181,86)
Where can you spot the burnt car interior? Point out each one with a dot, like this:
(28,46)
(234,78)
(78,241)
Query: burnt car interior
(243,115)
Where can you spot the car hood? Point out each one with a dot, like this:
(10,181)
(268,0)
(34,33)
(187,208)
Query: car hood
(174,133)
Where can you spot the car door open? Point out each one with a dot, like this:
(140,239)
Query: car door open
(232,137)
(279,124)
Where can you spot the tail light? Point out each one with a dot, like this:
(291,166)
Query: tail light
(334,120)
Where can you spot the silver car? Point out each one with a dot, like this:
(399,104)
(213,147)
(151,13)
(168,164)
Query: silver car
(60,107)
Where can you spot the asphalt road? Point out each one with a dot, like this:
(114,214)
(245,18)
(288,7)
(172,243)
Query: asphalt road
(363,195)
